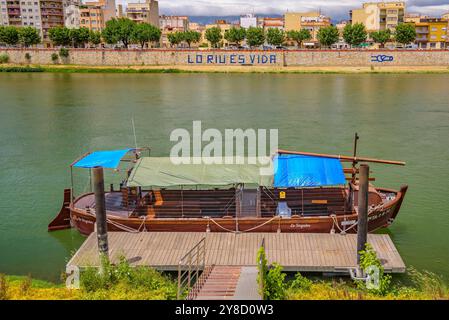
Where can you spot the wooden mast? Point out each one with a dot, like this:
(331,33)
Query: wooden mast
(343,158)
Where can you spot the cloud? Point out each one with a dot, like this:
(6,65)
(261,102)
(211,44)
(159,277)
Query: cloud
(338,9)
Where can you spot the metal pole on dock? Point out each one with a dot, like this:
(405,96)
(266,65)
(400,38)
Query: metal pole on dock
(362,224)
(100,211)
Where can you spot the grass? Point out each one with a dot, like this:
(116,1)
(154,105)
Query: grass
(116,282)
(123,283)
(425,286)
(185,69)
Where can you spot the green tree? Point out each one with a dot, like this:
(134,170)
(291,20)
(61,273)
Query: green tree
(79,37)
(355,34)
(327,36)
(60,36)
(235,35)
(299,36)
(214,36)
(275,36)
(255,36)
(95,37)
(191,36)
(144,33)
(9,35)
(175,38)
(119,30)
(2,29)
(29,36)
(405,33)
(381,37)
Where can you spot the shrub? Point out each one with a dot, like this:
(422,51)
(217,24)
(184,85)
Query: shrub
(122,281)
(429,283)
(54,57)
(4,58)
(28,56)
(25,285)
(22,69)
(272,278)
(275,283)
(368,258)
(3,287)
(262,271)
(301,283)
(64,53)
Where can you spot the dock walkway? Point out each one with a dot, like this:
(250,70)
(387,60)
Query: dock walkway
(305,252)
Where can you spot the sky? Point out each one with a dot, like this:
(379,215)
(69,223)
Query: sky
(338,9)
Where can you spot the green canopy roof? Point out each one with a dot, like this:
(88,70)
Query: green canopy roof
(162,172)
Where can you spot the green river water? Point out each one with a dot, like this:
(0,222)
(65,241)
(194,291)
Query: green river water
(48,120)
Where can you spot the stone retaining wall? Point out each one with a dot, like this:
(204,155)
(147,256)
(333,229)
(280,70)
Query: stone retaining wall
(355,58)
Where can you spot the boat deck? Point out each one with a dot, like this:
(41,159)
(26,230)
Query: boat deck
(114,204)
(307,252)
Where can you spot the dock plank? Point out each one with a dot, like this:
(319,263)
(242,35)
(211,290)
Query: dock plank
(294,251)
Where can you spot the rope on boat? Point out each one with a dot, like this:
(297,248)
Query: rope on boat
(248,230)
(335,221)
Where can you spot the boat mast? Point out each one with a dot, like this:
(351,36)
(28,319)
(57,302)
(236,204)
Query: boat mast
(354,162)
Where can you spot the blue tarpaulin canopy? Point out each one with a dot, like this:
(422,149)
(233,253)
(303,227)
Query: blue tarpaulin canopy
(106,159)
(307,171)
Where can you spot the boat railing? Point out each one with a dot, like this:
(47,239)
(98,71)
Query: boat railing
(232,201)
(269,194)
(190,267)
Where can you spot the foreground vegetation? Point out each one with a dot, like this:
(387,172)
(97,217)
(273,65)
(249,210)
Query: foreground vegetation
(423,285)
(118,282)
(122,282)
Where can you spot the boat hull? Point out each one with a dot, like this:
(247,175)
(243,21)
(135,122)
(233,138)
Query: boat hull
(378,218)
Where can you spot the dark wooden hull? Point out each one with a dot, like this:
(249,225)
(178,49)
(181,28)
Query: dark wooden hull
(380,217)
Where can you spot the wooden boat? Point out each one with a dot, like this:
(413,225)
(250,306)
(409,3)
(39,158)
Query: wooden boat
(241,207)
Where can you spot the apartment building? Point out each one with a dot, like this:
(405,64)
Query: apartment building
(174,23)
(268,22)
(94,15)
(311,21)
(379,15)
(146,12)
(292,20)
(169,24)
(248,20)
(432,33)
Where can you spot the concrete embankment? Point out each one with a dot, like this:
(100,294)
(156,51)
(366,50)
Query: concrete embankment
(211,59)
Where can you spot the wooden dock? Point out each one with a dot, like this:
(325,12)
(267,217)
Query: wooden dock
(307,252)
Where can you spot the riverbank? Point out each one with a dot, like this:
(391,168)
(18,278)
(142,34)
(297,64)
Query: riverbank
(226,69)
(425,286)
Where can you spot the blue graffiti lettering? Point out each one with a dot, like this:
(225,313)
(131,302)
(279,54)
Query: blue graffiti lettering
(232,58)
(382,58)
(252,58)
(199,58)
(210,58)
(273,58)
(241,59)
(189,59)
(222,59)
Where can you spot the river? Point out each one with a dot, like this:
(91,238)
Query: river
(48,120)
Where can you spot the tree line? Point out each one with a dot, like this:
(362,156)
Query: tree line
(255,36)
(117,30)
(126,32)
(25,36)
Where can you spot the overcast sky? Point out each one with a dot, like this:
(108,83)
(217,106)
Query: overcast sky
(338,9)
